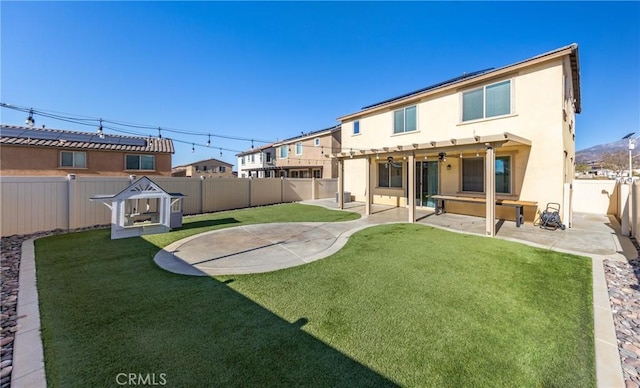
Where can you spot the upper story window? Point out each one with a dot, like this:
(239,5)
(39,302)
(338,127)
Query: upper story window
(299,148)
(222,168)
(242,161)
(284,152)
(356,127)
(316,142)
(204,168)
(487,101)
(73,159)
(405,120)
(253,158)
(213,168)
(140,162)
(260,157)
(268,157)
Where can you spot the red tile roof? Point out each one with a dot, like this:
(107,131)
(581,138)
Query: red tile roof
(40,137)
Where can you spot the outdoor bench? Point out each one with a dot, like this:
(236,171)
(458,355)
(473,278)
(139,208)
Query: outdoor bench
(516,204)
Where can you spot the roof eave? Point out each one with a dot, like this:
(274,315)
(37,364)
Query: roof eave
(566,50)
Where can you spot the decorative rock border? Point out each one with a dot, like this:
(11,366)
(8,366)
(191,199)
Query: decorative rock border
(623,281)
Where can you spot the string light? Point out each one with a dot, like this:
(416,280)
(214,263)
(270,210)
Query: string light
(30,121)
(100,131)
(209,141)
(193,147)
(159,133)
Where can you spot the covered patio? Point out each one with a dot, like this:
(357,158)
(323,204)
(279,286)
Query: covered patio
(485,145)
(592,234)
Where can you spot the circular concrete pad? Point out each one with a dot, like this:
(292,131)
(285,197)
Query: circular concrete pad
(252,248)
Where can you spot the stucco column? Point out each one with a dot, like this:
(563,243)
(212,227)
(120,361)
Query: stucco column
(340,184)
(411,188)
(367,188)
(490,190)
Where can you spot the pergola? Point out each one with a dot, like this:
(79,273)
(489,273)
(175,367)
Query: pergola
(490,143)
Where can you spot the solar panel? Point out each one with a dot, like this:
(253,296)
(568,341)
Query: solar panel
(449,81)
(42,135)
(133,141)
(12,132)
(80,137)
(25,133)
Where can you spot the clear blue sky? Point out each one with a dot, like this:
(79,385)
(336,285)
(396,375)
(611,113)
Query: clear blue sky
(272,70)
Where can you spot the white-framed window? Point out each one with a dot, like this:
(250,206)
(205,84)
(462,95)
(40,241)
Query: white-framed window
(299,148)
(253,158)
(405,120)
(73,159)
(488,101)
(222,168)
(260,157)
(356,127)
(316,142)
(390,174)
(284,152)
(213,169)
(140,162)
(268,157)
(317,173)
(473,174)
(242,161)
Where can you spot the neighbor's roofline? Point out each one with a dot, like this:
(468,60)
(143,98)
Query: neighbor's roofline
(203,160)
(571,49)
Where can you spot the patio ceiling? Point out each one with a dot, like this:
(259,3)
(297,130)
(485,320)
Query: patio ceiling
(471,143)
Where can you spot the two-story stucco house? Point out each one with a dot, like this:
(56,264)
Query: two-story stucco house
(209,168)
(306,156)
(38,151)
(498,135)
(257,163)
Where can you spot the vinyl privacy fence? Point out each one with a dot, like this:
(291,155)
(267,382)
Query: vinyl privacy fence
(34,204)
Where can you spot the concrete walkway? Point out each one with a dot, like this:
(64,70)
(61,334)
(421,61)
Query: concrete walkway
(270,247)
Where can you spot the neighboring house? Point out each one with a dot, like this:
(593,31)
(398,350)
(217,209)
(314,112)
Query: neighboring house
(35,151)
(211,168)
(513,126)
(257,162)
(306,156)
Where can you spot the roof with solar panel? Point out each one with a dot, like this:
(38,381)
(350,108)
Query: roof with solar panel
(41,137)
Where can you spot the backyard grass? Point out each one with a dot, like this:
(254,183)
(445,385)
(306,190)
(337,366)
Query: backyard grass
(400,304)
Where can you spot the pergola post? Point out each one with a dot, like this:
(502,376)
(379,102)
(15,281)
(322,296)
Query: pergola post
(490,190)
(340,184)
(367,189)
(411,187)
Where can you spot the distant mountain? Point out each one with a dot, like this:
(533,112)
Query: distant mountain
(597,152)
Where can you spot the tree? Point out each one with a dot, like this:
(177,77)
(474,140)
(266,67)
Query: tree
(617,161)
(582,168)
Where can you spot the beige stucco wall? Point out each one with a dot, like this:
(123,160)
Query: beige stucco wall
(539,171)
(312,156)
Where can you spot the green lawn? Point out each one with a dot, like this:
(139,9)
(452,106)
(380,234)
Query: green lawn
(400,304)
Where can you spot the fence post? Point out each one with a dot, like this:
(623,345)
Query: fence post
(624,209)
(313,188)
(250,190)
(201,194)
(71,194)
(281,189)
